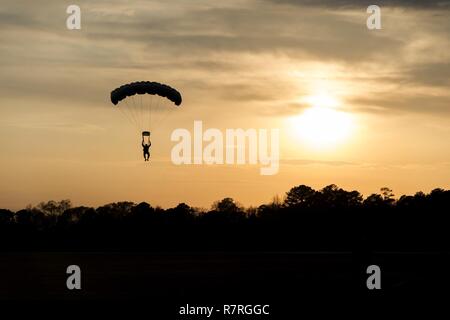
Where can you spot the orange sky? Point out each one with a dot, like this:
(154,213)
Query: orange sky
(238,64)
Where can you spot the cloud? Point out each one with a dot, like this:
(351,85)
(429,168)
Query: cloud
(229,52)
(83,128)
(305,162)
(440,4)
(184,29)
(392,103)
(432,74)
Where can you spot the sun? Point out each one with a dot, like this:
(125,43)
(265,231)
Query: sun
(322,125)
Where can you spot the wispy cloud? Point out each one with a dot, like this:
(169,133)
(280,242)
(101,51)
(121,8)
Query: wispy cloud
(306,162)
(440,4)
(83,128)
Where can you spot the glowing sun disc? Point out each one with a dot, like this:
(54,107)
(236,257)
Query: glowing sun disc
(323,127)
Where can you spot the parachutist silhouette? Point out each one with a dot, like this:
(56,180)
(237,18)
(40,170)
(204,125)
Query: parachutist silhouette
(153,96)
(146,149)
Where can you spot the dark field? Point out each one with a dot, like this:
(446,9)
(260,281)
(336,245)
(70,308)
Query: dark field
(165,281)
(311,252)
(129,276)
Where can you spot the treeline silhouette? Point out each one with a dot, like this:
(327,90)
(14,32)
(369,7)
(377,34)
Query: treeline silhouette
(330,219)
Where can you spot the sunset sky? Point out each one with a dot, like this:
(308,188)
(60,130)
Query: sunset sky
(359,108)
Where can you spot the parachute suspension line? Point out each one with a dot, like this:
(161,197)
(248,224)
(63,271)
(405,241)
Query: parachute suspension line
(157,111)
(150,114)
(131,114)
(133,109)
(136,116)
(126,115)
(166,111)
(141,112)
(154,109)
(135,112)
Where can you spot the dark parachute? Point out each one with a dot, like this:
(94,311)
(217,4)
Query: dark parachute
(145,87)
(146,104)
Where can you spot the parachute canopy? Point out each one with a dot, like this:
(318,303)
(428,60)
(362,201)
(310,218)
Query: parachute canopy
(146,104)
(145,87)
